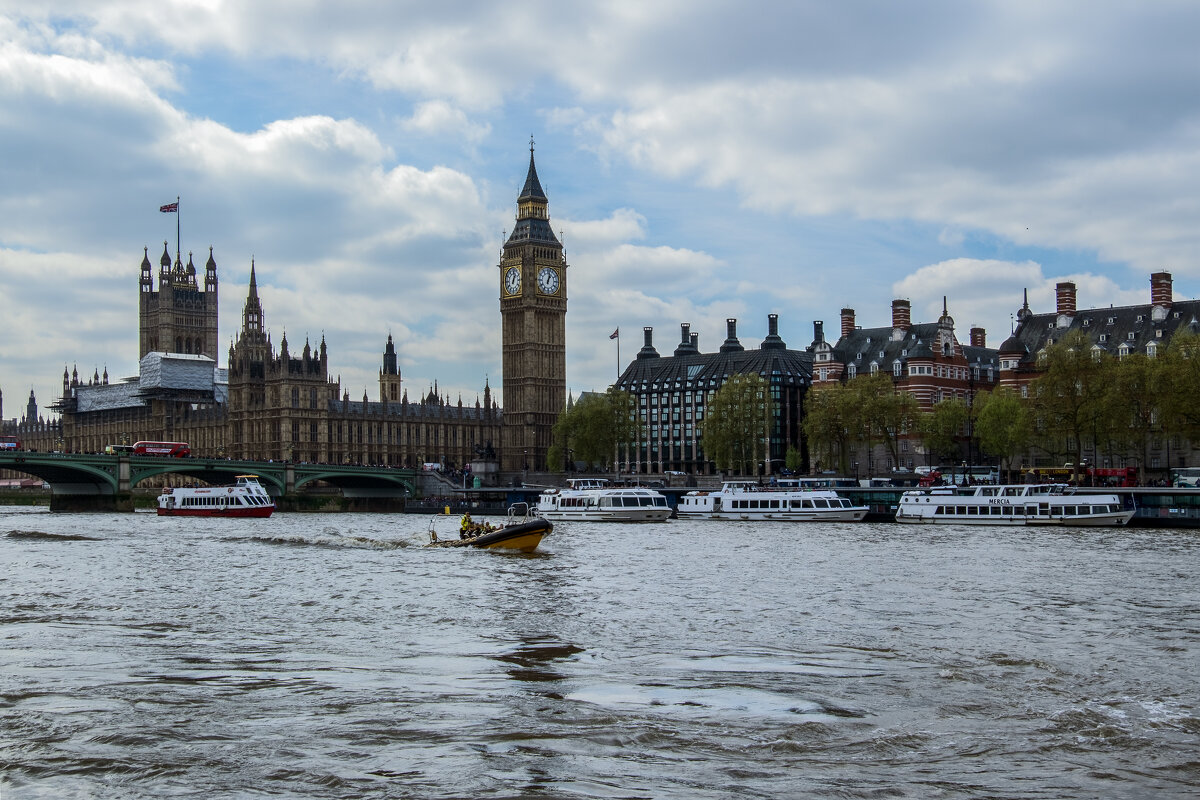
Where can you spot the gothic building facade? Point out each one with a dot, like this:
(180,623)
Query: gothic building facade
(177,317)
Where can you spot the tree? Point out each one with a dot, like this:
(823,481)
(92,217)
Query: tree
(1180,386)
(793,459)
(1002,424)
(831,425)
(1132,403)
(1068,398)
(594,428)
(886,413)
(941,429)
(735,428)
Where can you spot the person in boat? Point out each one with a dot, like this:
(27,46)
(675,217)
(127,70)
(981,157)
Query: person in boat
(466,526)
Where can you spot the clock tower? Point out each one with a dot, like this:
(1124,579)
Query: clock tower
(533,311)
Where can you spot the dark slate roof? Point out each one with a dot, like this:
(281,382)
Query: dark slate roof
(864,345)
(709,370)
(1109,328)
(981,356)
(533,230)
(533,187)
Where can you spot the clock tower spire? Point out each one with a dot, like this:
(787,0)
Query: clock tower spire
(533,310)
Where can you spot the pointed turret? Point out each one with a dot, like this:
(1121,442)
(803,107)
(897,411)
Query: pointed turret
(252,316)
(147,279)
(210,273)
(164,265)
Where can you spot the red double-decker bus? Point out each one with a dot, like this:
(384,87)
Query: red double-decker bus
(1113,476)
(10,443)
(170,449)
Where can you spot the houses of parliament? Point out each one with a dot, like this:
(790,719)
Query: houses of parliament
(280,402)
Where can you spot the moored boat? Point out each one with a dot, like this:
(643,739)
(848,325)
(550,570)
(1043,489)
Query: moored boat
(245,498)
(596,500)
(1019,504)
(748,500)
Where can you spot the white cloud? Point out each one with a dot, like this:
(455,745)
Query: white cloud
(988,293)
(437,117)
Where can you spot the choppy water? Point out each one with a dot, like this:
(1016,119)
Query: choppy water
(333,656)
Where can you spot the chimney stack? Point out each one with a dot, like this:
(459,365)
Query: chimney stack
(978,337)
(731,344)
(773,342)
(648,350)
(1065,293)
(847,321)
(818,331)
(1160,289)
(901,315)
(685,347)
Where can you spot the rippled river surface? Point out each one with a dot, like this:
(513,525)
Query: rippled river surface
(333,656)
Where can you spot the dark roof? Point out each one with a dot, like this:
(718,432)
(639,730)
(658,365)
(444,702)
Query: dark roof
(533,229)
(864,345)
(1108,329)
(533,187)
(709,370)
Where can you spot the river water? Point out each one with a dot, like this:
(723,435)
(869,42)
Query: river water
(333,656)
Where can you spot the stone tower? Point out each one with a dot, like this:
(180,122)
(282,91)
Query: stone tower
(533,309)
(179,317)
(390,390)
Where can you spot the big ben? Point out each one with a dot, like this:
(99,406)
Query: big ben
(533,311)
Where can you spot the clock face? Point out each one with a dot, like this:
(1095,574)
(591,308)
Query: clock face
(548,281)
(512,280)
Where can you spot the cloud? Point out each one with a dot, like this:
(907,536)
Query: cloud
(436,117)
(987,293)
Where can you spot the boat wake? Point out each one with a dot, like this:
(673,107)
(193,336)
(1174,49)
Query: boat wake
(51,537)
(328,538)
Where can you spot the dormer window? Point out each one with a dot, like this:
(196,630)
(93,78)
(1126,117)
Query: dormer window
(1104,337)
(1158,334)
(896,369)
(852,371)
(1139,317)
(874,368)
(881,354)
(1087,322)
(1130,336)
(1151,349)
(1123,350)
(1111,320)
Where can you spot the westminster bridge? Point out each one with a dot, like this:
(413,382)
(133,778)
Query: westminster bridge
(81,482)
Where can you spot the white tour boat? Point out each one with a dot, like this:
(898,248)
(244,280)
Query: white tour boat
(246,498)
(1022,504)
(596,500)
(747,500)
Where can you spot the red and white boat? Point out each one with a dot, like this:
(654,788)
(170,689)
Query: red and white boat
(245,498)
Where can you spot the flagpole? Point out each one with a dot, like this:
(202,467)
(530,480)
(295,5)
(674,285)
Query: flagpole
(178,252)
(618,352)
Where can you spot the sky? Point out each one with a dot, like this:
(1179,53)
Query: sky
(702,160)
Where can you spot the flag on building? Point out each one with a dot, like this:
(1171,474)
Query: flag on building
(615,334)
(169,207)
